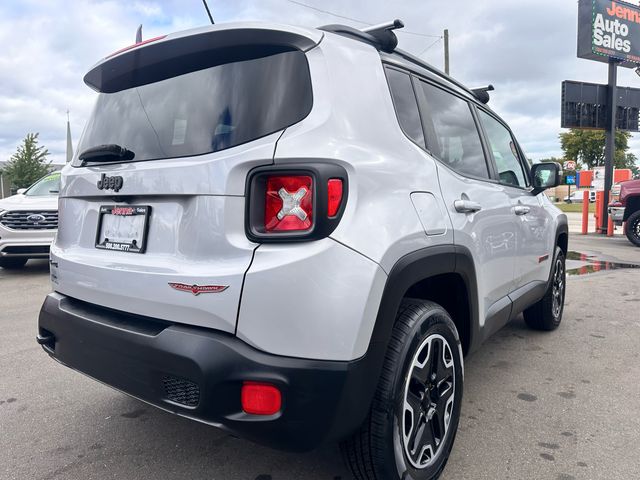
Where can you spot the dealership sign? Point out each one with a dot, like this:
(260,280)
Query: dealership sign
(609,29)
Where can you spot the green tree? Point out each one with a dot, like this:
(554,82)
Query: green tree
(587,147)
(28,164)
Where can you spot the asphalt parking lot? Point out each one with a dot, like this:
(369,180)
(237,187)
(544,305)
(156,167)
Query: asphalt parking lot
(559,406)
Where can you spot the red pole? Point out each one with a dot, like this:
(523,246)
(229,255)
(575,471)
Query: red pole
(585,212)
(598,214)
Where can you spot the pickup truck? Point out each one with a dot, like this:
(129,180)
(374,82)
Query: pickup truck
(625,207)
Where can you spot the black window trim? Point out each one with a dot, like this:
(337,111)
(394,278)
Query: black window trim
(525,168)
(489,164)
(395,109)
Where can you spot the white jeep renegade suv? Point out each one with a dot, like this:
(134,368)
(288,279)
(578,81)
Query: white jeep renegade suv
(295,234)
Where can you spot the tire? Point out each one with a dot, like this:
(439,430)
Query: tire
(379,450)
(633,228)
(546,314)
(12,263)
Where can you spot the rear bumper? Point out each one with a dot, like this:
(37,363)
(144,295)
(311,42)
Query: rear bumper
(198,373)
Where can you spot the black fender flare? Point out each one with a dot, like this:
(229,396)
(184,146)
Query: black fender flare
(408,270)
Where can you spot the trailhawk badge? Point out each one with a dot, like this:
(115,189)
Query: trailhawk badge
(198,289)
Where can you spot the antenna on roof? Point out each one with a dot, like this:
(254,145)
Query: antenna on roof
(208,11)
(482,93)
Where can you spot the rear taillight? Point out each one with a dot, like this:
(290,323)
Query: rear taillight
(334,194)
(288,203)
(296,202)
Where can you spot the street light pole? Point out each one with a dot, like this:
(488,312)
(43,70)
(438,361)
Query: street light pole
(446,51)
(610,141)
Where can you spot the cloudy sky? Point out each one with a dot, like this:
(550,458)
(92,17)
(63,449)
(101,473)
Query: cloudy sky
(524,48)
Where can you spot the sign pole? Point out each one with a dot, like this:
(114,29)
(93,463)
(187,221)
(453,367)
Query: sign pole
(610,141)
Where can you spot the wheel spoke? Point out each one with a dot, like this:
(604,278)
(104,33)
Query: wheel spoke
(421,374)
(444,369)
(425,437)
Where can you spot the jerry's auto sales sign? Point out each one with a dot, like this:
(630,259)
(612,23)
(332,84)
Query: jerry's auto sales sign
(609,29)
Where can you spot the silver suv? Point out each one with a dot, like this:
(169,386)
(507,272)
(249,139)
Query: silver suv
(295,234)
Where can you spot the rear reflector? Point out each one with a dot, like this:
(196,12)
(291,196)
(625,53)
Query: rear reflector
(260,398)
(334,194)
(288,203)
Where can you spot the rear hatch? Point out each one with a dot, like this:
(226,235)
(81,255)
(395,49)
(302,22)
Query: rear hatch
(159,230)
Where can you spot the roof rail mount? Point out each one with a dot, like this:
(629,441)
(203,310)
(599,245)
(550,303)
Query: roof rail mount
(482,93)
(380,36)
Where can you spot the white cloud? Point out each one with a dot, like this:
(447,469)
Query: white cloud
(524,48)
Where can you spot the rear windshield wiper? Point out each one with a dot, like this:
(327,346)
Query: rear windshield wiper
(110,152)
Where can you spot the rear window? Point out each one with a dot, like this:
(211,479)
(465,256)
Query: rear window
(204,111)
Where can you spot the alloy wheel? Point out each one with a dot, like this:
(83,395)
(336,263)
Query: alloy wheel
(428,401)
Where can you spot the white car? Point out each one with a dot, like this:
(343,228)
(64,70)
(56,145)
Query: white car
(578,195)
(29,222)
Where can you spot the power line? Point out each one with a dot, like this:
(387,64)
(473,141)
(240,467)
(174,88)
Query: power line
(327,12)
(428,47)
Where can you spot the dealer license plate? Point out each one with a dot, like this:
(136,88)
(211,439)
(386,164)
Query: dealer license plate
(123,228)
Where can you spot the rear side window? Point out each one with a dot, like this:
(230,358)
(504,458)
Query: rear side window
(404,101)
(452,133)
(206,110)
(505,152)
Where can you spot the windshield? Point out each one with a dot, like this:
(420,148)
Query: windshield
(49,185)
(204,111)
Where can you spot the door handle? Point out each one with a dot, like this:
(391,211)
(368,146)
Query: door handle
(521,210)
(466,206)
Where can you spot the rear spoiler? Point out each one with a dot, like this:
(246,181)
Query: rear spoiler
(165,57)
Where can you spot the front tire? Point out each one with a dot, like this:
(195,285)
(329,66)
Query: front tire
(12,263)
(633,228)
(546,314)
(414,416)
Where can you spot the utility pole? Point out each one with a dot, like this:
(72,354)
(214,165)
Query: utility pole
(446,51)
(610,141)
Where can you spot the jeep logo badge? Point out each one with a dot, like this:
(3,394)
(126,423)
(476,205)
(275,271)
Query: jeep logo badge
(110,183)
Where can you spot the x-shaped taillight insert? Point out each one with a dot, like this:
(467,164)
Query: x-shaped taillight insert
(291,203)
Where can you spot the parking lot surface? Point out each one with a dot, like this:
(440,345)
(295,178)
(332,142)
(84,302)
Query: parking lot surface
(561,405)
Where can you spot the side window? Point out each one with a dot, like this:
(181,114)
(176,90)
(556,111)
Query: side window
(504,151)
(452,133)
(404,101)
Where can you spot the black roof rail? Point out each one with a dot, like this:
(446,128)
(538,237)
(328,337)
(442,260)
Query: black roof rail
(380,36)
(482,93)
(384,39)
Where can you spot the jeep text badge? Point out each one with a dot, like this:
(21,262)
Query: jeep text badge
(110,183)
(198,289)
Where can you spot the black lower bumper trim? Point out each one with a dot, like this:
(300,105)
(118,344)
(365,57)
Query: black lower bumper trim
(198,373)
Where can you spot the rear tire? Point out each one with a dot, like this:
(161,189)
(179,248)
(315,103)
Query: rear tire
(412,425)
(12,263)
(546,314)
(633,228)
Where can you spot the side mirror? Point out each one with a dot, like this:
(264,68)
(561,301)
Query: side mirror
(545,175)
(20,191)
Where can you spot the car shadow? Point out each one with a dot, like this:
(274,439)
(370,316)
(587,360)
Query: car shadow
(33,267)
